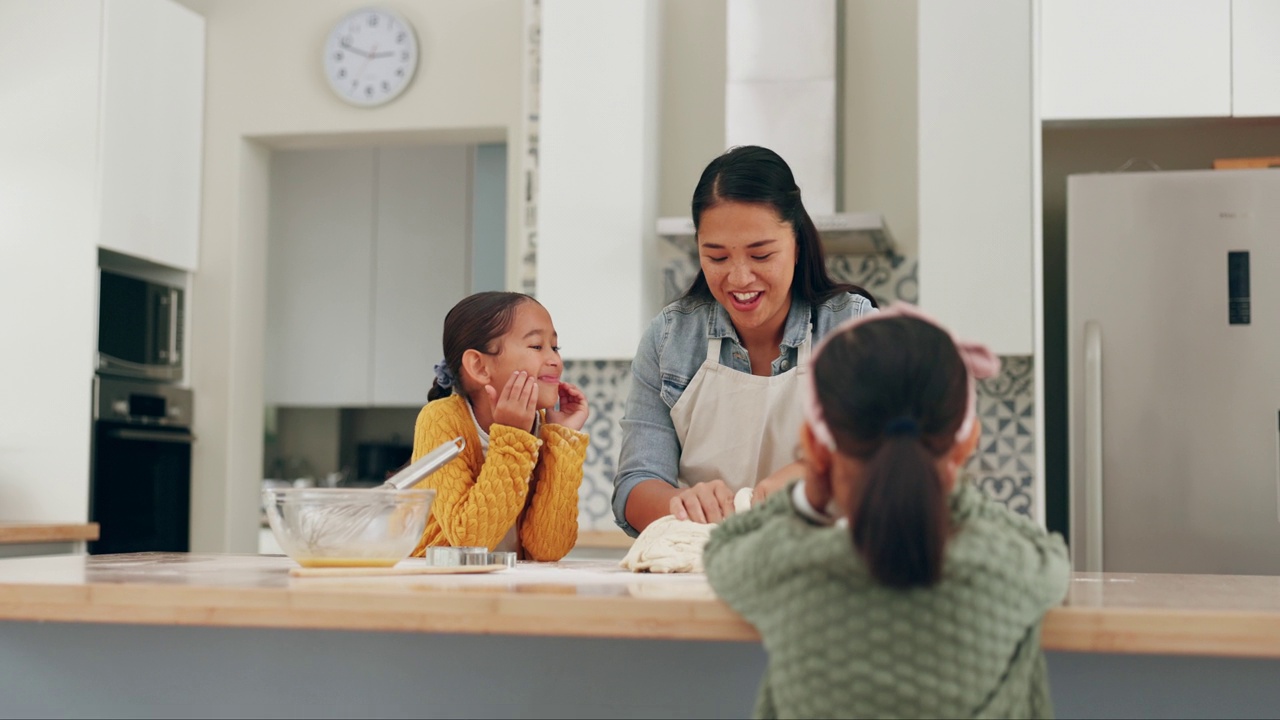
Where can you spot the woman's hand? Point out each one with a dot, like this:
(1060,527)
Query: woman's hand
(573,408)
(518,403)
(707,502)
(777,481)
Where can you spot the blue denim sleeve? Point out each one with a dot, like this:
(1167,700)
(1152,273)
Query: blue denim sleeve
(650,448)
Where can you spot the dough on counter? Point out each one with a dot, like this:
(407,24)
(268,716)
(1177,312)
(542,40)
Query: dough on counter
(742,500)
(668,545)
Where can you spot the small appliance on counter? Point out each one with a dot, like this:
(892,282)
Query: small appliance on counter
(377,461)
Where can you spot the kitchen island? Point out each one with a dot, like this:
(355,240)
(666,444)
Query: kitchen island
(197,635)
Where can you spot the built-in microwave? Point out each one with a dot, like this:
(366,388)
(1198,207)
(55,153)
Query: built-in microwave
(139,328)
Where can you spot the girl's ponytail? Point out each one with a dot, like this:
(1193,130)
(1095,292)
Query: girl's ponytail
(901,522)
(436,392)
(893,393)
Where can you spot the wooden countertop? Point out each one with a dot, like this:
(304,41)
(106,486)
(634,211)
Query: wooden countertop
(13,533)
(604,539)
(1114,613)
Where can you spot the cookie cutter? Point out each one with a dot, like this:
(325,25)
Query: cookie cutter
(468,555)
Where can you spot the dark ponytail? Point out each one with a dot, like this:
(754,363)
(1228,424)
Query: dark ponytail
(901,524)
(436,392)
(473,324)
(893,394)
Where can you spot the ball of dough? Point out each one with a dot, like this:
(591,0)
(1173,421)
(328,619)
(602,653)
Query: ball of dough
(668,545)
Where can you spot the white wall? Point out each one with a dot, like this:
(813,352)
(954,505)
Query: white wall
(265,89)
(49,59)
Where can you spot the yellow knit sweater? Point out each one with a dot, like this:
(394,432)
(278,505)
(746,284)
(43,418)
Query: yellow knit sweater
(531,482)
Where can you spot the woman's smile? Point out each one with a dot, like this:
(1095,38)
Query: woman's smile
(746,301)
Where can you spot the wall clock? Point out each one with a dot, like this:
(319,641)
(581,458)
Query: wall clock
(370,56)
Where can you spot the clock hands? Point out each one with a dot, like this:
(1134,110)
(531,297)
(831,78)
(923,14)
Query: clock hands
(360,73)
(372,54)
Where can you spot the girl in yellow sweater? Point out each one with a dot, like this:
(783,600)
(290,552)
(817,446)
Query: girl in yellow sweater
(515,485)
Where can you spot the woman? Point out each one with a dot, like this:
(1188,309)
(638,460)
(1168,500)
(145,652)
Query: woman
(715,393)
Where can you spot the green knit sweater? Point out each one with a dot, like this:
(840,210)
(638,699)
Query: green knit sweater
(842,645)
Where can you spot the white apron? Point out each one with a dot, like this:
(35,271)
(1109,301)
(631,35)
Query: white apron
(739,427)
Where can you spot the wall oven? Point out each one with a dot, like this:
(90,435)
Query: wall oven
(140,488)
(140,328)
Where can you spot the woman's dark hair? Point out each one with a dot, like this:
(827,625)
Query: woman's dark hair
(473,324)
(893,393)
(756,175)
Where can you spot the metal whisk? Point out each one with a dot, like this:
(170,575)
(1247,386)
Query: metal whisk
(339,523)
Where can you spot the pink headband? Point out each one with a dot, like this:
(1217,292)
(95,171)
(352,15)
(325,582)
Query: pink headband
(980,362)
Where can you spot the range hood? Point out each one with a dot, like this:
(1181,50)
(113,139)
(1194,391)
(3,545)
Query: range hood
(780,92)
(858,233)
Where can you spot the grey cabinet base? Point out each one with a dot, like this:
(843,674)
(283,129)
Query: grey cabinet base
(71,669)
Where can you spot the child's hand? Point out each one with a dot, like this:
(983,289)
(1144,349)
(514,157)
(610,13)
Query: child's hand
(518,403)
(817,490)
(573,408)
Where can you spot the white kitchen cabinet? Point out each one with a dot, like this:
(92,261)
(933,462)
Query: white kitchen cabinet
(65,99)
(1255,58)
(151,130)
(597,174)
(1103,59)
(319,344)
(978,169)
(421,268)
(368,251)
(49,102)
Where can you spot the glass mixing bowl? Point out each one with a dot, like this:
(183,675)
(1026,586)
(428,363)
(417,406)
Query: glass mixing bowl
(347,527)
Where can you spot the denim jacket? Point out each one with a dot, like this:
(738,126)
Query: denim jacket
(670,353)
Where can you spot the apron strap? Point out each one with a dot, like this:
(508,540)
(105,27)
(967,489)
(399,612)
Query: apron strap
(713,350)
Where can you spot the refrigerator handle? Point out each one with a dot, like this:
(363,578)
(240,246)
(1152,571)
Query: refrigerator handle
(1092,489)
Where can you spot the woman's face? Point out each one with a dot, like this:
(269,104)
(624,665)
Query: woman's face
(530,344)
(748,256)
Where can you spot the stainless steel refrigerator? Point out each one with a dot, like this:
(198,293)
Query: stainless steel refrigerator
(1173,321)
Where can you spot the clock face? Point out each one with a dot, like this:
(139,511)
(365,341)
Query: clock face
(370,56)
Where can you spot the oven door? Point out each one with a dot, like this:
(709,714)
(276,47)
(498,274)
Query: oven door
(140,495)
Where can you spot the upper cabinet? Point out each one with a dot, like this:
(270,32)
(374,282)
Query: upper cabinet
(1255,58)
(368,250)
(597,173)
(320,259)
(1114,59)
(151,130)
(421,266)
(978,169)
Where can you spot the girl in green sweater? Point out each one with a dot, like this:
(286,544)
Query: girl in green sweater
(882,584)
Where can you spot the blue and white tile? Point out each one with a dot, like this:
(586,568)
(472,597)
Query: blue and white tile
(1003,465)
(605,383)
